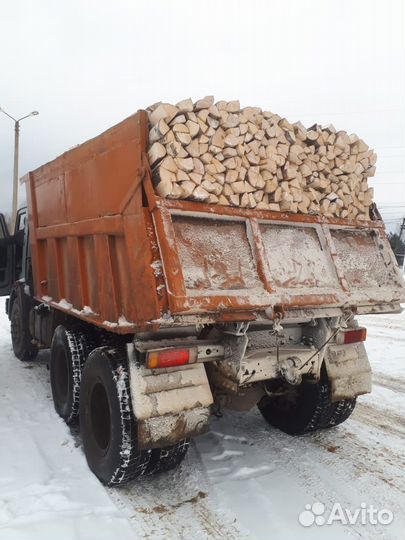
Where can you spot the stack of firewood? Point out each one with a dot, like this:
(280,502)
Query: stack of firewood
(219,153)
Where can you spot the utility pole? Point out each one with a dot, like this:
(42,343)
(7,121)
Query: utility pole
(15,170)
(16,158)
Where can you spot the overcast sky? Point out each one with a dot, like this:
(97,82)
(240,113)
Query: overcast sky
(86,65)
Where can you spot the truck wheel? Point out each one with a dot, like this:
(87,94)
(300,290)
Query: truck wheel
(107,424)
(21,339)
(306,408)
(166,459)
(69,351)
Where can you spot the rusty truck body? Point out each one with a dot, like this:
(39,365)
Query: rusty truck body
(161,312)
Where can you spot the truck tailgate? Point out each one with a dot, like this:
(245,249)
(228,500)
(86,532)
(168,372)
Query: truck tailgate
(219,259)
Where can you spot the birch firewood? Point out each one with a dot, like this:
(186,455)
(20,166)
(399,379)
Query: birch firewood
(220,153)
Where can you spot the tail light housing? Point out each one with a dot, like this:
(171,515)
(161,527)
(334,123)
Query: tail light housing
(165,358)
(354,335)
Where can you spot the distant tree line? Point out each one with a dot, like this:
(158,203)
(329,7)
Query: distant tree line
(398,246)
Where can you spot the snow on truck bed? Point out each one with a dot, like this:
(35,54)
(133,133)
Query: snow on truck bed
(241,480)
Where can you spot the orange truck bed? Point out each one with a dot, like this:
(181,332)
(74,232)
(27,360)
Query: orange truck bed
(107,250)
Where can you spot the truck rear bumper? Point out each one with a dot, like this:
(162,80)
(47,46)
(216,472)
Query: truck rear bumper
(268,364)
(347,366)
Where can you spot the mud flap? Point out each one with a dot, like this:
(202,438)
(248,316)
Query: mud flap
(349,371)
(169,404)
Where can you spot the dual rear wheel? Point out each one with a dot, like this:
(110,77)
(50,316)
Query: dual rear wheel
(306,408)
(91,385)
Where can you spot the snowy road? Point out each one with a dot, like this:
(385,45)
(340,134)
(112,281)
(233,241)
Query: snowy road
(242,480)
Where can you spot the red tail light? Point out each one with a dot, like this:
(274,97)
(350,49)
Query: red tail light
(167,358)
(351,336)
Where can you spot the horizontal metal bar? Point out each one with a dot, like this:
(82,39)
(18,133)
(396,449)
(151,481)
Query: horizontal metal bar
(108,225)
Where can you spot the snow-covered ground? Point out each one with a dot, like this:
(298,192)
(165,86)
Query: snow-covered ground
(241,480)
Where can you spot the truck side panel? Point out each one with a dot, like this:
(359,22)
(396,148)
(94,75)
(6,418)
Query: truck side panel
(89,240)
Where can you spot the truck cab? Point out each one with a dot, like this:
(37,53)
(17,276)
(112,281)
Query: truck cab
(14,252)
(6,258)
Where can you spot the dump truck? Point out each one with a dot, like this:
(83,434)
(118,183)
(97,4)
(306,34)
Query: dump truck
(160,312)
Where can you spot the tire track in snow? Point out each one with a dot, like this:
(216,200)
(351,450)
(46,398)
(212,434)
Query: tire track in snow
(364,444)
(352,462)
(396,384)
(381,419)
(386,335)
(296,462)
(177,504)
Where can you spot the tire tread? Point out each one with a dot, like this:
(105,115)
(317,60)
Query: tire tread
(132,462)
(313,412)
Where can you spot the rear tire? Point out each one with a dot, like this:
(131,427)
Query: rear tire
(107,424)
(21,338)
(306,409)
(168,458)
(69,351)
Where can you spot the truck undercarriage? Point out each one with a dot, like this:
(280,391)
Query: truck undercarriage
(303,376)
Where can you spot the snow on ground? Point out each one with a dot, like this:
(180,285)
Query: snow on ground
(242,480)
(46,489)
